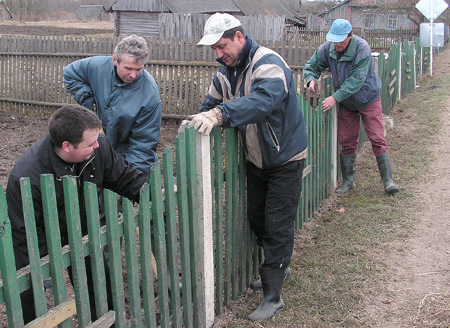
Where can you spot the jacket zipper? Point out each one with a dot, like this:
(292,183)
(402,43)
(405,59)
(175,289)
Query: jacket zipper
(273,136)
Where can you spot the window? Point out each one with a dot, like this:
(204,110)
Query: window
(392,20)
(369,20)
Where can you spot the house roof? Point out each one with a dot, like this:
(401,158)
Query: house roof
(247,7)
(3,3)
(201,6)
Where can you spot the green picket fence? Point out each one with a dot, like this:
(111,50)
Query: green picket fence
(201,237)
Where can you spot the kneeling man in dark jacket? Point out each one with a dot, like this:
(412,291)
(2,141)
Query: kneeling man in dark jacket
(73,147)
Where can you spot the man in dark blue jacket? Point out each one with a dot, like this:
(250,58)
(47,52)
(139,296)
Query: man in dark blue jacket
(358,86)
(254,90)
(126,99)
(72,147)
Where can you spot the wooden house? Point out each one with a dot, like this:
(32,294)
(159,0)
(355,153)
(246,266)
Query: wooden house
(368,14)
(5,13)
(92,12)
(186,18)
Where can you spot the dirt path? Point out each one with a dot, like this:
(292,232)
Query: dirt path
(419,267)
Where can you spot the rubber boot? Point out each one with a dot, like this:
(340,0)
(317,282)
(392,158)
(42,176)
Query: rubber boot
(257,284)
(384,166)
(272,282)
(348,170)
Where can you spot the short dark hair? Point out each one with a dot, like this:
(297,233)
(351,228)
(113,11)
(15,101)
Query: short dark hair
(69,123)
(229,34)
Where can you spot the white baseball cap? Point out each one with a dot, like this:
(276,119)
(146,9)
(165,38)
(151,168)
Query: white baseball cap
(215,26)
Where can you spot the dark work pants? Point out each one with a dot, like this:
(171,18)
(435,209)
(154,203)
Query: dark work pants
(273,196)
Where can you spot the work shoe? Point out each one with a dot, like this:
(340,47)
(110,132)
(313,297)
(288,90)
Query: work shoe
(384,166)
(272,282)
(257,284)
(348,169)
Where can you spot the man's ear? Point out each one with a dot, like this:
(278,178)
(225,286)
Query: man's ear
(66,146)
(240,36)
(115,60)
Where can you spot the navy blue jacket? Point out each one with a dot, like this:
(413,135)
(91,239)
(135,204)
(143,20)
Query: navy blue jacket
(264,107)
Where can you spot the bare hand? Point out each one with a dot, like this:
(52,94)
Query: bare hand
(327,103)
(312,86)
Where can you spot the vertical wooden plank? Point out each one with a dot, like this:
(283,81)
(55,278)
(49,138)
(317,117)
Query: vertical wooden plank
(205,240)
(228,216)
(115,257)
(160,242)
(96,249)
(219,228)
(172,236)
(183,214)
(242,203)
(145,244)
(78,268)
(196,260)
(11,292)
(129,231)
(33,247)
(233,162)
(53,235)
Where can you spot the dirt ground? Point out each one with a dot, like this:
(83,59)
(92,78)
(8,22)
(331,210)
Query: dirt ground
(418,268)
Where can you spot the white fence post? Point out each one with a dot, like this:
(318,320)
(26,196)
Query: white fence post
(206,223)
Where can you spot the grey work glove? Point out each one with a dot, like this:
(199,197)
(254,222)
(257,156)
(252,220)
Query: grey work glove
(205,121)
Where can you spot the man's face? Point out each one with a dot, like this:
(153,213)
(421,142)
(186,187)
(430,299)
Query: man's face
(85,148)
(228,50)
(340,46)
(127,69)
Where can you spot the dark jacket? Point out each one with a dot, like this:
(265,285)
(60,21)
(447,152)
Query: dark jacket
(130,112)
(105,168)
(264,107)
(356,83)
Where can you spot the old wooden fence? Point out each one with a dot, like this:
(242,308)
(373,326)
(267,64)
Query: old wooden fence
(204,242)
(32,82)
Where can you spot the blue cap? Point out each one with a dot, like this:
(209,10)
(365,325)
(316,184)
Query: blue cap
(339,30)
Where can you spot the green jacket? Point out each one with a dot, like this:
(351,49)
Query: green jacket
(356,83)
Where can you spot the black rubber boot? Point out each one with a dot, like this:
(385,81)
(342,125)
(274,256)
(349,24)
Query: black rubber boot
(272,282)
(348,170)
(384,166)
(257,284)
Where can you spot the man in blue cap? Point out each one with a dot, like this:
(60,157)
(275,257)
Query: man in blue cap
(357,86)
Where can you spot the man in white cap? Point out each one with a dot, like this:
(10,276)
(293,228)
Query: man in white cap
(254,90)
(357,86)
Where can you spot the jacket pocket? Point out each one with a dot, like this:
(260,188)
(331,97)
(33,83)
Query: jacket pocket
(273,136)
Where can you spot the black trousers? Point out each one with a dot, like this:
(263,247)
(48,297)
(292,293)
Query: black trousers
(273,196)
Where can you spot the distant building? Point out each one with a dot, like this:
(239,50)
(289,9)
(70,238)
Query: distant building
(92,12)
(143,16)
(367,14)
(5,13)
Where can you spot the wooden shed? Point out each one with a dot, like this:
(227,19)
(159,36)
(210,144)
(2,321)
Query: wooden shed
(150,17)
(5,13)
(92,12)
